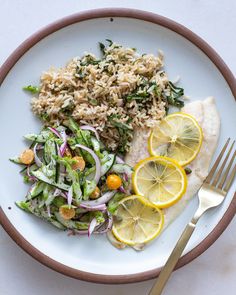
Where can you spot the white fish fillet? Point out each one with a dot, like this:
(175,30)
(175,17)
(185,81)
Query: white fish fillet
(205,112)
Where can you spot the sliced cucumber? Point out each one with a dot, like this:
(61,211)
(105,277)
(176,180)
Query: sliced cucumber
(108,164)
(16,161)
(39,175)
(122,168)
(36,189)
(89,187)
(40,138)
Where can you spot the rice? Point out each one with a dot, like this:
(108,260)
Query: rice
(117,94)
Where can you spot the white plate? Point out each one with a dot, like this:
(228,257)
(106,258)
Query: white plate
(96,259)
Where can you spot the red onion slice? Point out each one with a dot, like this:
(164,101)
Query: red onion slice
(64,144)
(31,177)
(126,177)
(64,195)
(97,228)
(48,211)
(57,192)
(101,207)
(96,159)
(109,223)
(32,187)
(102,200)
(87,127)
(38,162)
(122,190)
(70,196)
(63,136)
(92,226)
(53,130)
(119,160)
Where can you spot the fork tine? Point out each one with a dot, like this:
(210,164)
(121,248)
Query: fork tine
(231,178)
(213,169)
(219,172)
(220,185)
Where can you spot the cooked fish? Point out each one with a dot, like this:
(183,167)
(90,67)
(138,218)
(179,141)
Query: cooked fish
(205,112)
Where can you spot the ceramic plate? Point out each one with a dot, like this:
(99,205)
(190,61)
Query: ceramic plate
(202,74)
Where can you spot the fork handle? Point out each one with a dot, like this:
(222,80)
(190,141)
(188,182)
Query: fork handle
(173,259)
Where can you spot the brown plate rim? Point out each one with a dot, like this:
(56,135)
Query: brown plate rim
(193,38)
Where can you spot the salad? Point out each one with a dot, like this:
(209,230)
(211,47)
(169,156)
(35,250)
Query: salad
(75,182)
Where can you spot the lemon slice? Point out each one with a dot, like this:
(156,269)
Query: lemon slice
(137,221)
(177,136)
(159,179)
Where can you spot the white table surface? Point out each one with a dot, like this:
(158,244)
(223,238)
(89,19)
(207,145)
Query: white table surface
(214,272)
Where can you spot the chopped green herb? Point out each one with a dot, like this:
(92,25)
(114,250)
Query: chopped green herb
(175,94)
(32,89)
(79,73)
(89,60)
(114,202)
(99,216)
(109,41)
(102,47)
(93,101)
(188,170)
(26,179)
(118,124)
(137,96)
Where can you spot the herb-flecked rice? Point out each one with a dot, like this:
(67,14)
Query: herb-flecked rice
(117,94)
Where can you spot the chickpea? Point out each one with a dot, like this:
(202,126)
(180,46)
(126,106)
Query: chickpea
(67,212)
(27,157)
(79,163)
(95,194)
(113,181)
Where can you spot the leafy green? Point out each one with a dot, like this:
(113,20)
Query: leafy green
(36,189)
(99,216)
(102,47)
(44,116)
(175,94)
(88,187)
(110,42)
(40,138)
(49,150)
(72,125)
(58,201)
(32,89)
(24,205)
(107,165)
(137,96)
(89,60)
(68,162)
(77,193)
(125,132)
(121,125)
(41,176)
(16,160)
(79,72)
(50,198)
(26,179)
(114,202)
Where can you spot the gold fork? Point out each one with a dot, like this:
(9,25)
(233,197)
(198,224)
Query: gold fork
(211,194)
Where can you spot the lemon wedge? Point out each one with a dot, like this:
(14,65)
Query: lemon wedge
(137,221)
(177,136)
(161,180)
